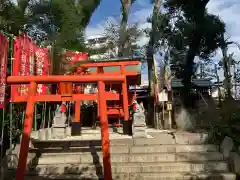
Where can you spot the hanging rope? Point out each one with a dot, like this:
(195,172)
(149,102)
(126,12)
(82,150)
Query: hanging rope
(11,104)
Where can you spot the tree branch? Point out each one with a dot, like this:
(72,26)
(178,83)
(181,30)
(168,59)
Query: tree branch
(205,2)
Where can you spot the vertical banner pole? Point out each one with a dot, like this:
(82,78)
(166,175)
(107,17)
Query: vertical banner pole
(35,117)
(11,104)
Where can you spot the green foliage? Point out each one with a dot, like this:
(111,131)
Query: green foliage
(180,31)
(161,34)
(49,21)
(191,38)
(61,24)
(228,124)
(13,16)
(180,34)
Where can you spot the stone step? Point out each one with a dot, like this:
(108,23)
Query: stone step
(130,168)
(183,176)
(130,149)
(143,176)
(173,138)
(154,138)
(157,157)
(98,130)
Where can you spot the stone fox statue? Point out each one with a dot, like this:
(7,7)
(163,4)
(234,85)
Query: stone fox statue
(139,121)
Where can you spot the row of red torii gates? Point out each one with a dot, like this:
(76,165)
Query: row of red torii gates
(122,78)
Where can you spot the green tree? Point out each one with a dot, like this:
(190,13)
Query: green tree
(63,21)
(62,25)
(190,37)
(14,16)
(226,62)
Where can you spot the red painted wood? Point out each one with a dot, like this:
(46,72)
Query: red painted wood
(22,162)
(104,132)
(61,78)
(77,111)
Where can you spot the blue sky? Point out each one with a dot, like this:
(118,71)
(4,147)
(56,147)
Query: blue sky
(228,10)
(111,8)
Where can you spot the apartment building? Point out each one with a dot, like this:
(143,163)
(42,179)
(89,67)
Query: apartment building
(99,46)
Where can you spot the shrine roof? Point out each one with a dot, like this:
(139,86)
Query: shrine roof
(136,68)
(177,83)
(118,59)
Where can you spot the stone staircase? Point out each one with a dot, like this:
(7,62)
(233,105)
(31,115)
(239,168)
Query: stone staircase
(162,156)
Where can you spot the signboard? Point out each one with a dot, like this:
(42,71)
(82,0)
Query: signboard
(3,68)
(163,96)
(169,106)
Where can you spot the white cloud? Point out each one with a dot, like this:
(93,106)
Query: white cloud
(229,12)
(94,31)
(140,15)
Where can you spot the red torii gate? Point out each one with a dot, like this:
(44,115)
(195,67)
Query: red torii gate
(100,65)
(32,98)
(66,88)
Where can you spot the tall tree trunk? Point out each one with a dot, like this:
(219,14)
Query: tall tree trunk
(151,67)
(126,4)
(226,69)
(188,72)
(151,86)
(194,45)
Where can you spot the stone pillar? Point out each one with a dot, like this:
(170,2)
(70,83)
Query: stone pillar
(139,122)
(59,126)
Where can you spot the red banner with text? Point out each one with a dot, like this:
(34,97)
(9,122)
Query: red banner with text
(42,67)
(3,68)
(23,63)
